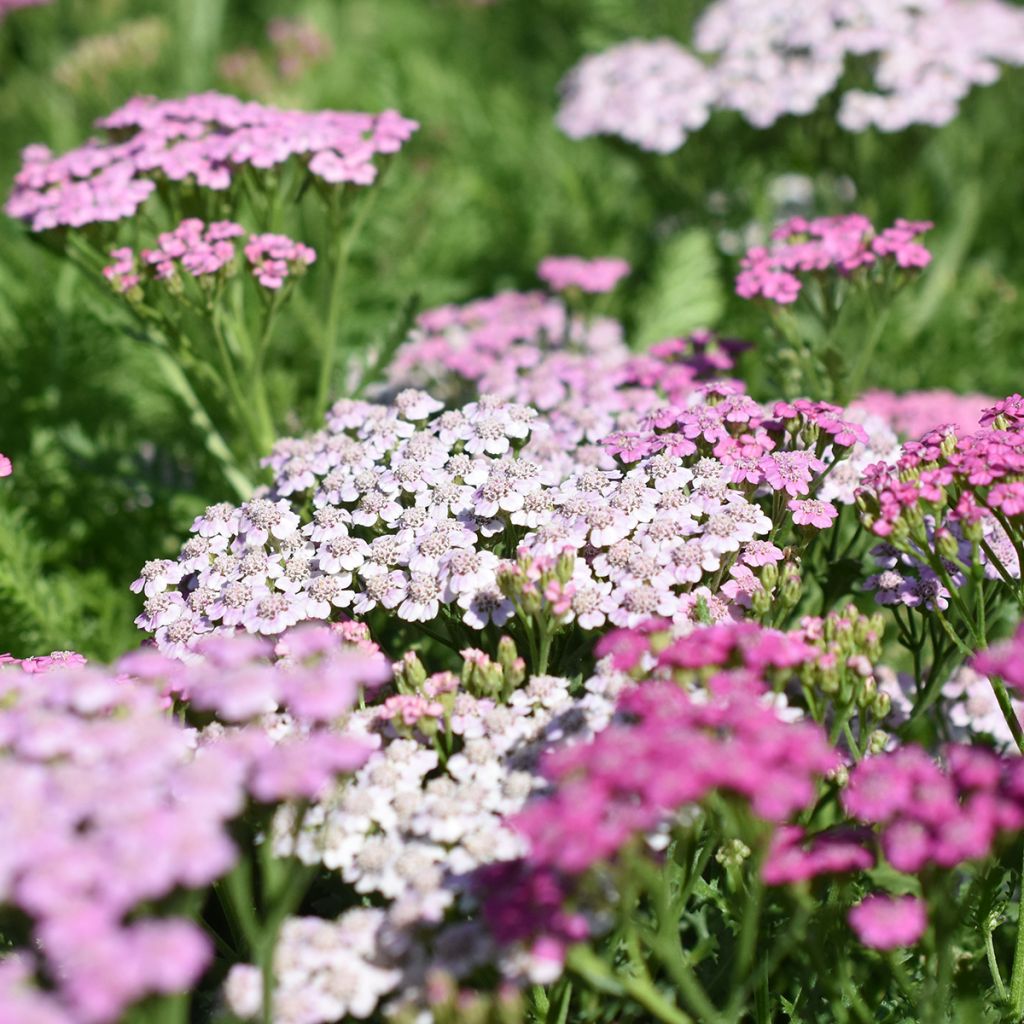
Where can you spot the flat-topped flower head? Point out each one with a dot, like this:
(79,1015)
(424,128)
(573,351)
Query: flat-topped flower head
(200,251)
(840,245)
(202,140)
(652,93)
(889,922)
(767,59)
(561,273)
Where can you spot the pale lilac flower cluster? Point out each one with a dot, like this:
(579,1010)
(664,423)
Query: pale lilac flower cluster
(562,273)
(114,805)
(199,250)
(840,245)
(201,140)
(771,58)
(408,509)
(652,93)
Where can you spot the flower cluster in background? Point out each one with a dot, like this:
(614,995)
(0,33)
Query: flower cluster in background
(771,59)
(842,245)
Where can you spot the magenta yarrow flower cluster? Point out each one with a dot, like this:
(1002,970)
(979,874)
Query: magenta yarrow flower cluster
(563,273)
(627,780)
(889,922)
(928,816)
(767,58)
(201,250)
(203,140)
(826,245)
(826,667)
(1005,659)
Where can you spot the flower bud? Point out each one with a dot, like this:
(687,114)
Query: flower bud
(946,544)
(882,704)
(877,741)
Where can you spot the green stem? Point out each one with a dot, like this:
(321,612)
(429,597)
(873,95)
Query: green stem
(856,378)
(1017,976)
(993,964)
(329,338)
(215,443)
(1006,706)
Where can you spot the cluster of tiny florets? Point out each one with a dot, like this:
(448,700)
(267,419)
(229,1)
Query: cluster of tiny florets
(204,140)
(771,59)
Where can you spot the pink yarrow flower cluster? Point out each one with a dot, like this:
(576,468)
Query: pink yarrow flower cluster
(889,922)
(199,250)
(948,501)
(930,816)
(203,140)
(274,257)
(6,468)
(825,245)
(562,273)
(915,413)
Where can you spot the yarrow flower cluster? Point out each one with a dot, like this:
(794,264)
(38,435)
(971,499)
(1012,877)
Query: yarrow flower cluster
(561,273)
(413,829)
(525,347)
(950,502)
(112,804)
(928,816)
(203,140)
(915,413)
(201,250)
(769,59)
(652,93)
(627,780)
(827,245)
(425,512)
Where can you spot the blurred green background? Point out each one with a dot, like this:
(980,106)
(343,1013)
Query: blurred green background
(105,476)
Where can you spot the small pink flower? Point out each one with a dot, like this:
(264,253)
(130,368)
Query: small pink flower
(6,469)
(888,922)
(809,512)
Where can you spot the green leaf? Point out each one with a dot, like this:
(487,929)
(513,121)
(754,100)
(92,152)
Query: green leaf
(685,292)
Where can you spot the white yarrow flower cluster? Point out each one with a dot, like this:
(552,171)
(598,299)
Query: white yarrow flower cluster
(771,58)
